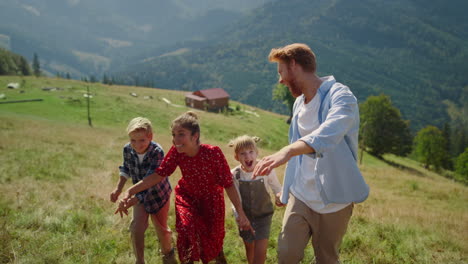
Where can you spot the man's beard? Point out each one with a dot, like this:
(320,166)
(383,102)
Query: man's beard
(292,83)
(294,88)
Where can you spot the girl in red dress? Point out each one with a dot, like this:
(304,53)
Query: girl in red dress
(199,198)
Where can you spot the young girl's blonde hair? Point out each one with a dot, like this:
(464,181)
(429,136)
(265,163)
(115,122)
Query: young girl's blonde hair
(244,142)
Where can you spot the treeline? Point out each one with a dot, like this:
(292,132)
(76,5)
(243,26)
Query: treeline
(383,131)
(106,79)
(13,64)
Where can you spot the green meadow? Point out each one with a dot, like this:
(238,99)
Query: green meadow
(57,172)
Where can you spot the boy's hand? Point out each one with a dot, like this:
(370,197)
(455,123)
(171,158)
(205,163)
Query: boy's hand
(115,195)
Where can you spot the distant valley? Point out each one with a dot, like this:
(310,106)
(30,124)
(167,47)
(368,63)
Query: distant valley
(414,51)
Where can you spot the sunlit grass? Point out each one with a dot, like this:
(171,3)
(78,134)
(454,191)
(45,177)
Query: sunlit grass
(57,173)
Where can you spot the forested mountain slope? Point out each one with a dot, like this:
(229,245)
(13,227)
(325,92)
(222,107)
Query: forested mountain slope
(84,37)
(415,51)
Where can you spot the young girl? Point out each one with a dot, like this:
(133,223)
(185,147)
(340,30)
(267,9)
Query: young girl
(256,200)
(199,198)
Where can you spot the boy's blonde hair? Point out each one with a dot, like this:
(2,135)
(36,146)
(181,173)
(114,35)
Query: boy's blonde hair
(139,123)
(244,142)
(299,52)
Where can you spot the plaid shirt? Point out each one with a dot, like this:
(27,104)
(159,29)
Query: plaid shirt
(155,197)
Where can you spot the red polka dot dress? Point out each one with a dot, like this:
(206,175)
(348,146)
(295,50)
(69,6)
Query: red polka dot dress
(199,201)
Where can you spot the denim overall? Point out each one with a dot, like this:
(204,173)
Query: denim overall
(257,206)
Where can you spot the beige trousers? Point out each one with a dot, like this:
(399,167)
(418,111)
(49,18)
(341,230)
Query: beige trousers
(300,223)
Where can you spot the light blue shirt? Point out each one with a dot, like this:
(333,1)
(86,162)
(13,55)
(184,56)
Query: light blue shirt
(335,142)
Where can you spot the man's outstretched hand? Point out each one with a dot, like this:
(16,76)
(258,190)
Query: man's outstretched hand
(268,163)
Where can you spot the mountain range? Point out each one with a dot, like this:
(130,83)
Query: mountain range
(412,50)
(84,37)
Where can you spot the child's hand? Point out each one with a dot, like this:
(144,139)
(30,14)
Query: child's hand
(244,223)
(278,200)
(119,210)
(122,208)
(126,196)
(115,195)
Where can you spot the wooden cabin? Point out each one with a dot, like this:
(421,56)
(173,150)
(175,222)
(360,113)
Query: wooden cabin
(214,99)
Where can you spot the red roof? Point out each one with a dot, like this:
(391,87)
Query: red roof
(195,97)
(213,93)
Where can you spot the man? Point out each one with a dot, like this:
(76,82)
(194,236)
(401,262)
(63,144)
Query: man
(322,181)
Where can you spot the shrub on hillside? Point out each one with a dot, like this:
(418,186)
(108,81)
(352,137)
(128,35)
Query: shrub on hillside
(430,147)
(382,129)
(461,165)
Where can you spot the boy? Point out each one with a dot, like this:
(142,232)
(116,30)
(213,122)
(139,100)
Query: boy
(140,156)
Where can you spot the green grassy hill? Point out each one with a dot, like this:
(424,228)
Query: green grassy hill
(57,172)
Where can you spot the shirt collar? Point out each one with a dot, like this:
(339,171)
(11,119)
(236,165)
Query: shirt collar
(327,83)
